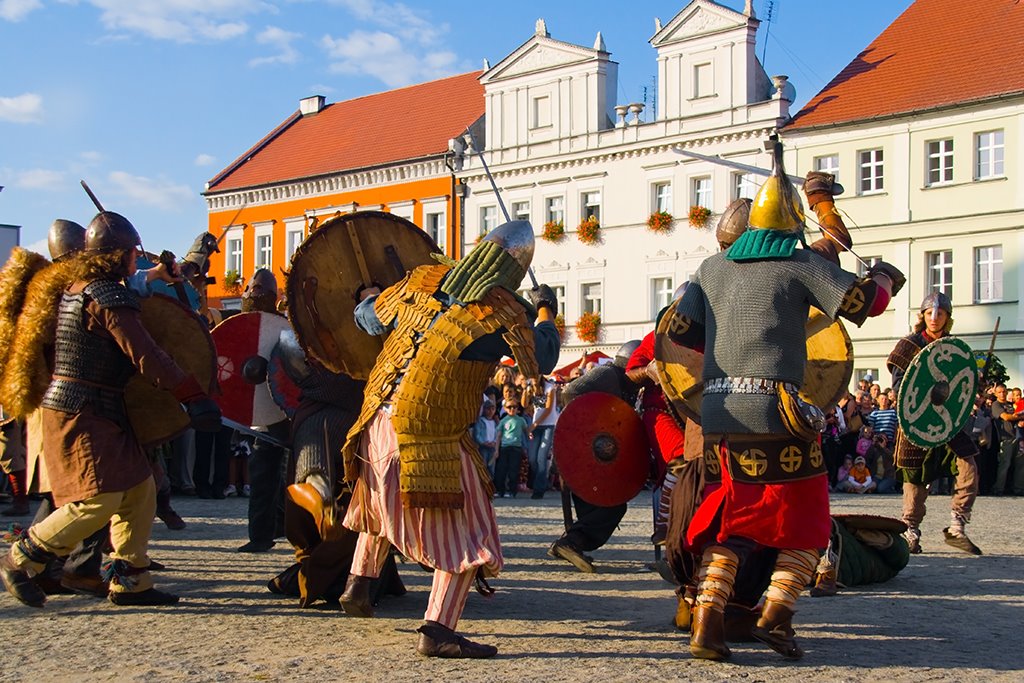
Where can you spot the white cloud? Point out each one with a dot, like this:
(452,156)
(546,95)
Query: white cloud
(91,156)
(386,57)
(160,193)
(321,89)
(38,179)
(16,10)
(27,108)
(397,17)
(205,160)
(183,21)
(281,41)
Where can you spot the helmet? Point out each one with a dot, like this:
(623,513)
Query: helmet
(500,260)
(777,205)
(65,238)
(625,351)
(937,300)
(110,231)
(260,292)
(733,222)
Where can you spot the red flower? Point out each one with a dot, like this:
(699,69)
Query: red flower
(588,327)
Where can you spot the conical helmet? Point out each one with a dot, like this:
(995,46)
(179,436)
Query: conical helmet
(501,259)
(65,238)
(777,204)
(733,222)
(109,231)
(937,300)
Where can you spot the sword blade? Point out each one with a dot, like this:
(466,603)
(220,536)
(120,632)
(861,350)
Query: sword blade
(756,170)
(249,431)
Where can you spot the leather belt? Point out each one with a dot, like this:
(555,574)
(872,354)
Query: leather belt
(745,385)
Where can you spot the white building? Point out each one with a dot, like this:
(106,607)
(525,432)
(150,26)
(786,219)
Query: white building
(561,149)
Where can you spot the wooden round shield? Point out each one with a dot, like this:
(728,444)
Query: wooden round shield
(601,449)
(937,393)
(826,375)
(346,254)
(239,339)
(155,415)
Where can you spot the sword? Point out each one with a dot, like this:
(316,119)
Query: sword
(756,170)
(249,431)
(99,207)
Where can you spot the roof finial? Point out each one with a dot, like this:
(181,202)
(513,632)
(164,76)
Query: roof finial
(599,43)
(657,24)
(748,9)
(542,28)
(487,64)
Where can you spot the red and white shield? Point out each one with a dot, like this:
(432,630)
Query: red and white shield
(238,339)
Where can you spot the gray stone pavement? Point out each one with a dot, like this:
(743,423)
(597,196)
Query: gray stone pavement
(947,616)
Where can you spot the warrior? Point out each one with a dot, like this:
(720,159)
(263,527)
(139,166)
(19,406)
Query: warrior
(96,465)
(419,480)
(916,467)
(746,310)
(595,524)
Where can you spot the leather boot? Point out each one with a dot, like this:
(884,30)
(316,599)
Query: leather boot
(739,623)
(775,629)
(707,634)
(825,584)
(683,615)
(19,584)
(437,640)
(356,598)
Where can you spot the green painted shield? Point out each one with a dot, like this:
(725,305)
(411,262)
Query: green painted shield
(937,393)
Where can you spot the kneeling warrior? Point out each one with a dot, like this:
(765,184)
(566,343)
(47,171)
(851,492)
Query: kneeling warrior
(746,310)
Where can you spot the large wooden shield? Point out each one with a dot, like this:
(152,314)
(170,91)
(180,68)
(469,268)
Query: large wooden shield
(155,415)
(244,338)
(937,393)
(346,254)
(826,375)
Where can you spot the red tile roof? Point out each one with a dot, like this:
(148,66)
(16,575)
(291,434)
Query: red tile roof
(398,125)
(937,53)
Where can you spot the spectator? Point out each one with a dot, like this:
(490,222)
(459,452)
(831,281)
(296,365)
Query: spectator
(875,390)
(843,475)
(858,479)
(831,443)
(883,419)
(885,471)
(485,433)
(542,432)
(512,445)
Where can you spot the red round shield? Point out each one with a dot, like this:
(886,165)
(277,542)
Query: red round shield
(601,449)
(283,389)
(239,339)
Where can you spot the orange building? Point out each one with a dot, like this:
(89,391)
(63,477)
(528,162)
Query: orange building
(385,152)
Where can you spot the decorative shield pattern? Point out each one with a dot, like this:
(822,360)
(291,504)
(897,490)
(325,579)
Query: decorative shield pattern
(345,255)
(827,372)
(601,448)
(239,339)
(937,393)
(155,415)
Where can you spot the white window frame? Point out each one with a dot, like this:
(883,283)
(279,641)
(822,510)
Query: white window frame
(294,234)
(402,209)
(540,112)
(862,270)
(234,251)
(264,249)
(661,196)
(590,204)
(827,163)
(939,162)
(989,161)
(871,171)
(744,185)
(661,288)
(521,210)
(701,191)
(488,218)
(438,231)
(940,272)
(988,273)
(554,208)
(591,302)
(559,291)
(703,80)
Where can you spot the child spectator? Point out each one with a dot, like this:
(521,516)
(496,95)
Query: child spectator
(511,449)
(858,480)
(485,433)
(843,475)
(864,441)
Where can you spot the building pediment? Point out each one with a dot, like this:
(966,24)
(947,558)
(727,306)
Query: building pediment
(592,262)
(552,266)
(700,17)
(539,53)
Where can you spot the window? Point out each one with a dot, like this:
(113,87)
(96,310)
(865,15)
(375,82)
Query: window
(661,294)
(703,80)
(590,297)
(434,224)
(234,256)
(827,164)
(520,211)
(662,196)
(988,154)
(559,291)
(264,251)
(554,209)
(940,161)
(988,274)
(862,270)
(940,272)
(591,205)
(540,114)
(743,185)
(701,190)
(871,171)
(292,241)
(488,219)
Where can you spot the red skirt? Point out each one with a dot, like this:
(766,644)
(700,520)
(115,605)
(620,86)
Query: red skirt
(793,515)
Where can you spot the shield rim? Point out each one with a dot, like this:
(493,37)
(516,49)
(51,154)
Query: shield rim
(257,388)
(912,435)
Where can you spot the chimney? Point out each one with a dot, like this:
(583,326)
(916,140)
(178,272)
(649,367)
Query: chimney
(311,105)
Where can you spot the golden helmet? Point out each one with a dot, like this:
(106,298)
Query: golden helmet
(777,205)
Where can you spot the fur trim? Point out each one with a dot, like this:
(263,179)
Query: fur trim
(15,277)
(28,369)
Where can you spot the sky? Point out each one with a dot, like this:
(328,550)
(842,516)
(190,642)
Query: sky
(147,100)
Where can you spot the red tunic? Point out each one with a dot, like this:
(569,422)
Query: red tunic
(666,437)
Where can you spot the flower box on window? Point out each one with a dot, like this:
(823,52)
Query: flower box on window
(699,216)
(554,231)
(589,230)
(660,221)
(588,327)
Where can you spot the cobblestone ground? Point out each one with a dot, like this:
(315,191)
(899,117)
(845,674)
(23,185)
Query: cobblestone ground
(947,616)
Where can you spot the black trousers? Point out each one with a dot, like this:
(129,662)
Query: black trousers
(215,446)
(594,524)
(266,482)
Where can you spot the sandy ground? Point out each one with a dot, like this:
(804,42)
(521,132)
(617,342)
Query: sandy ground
(947,616)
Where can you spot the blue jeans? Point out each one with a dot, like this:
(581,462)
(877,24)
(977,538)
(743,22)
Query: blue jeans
(540,448)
